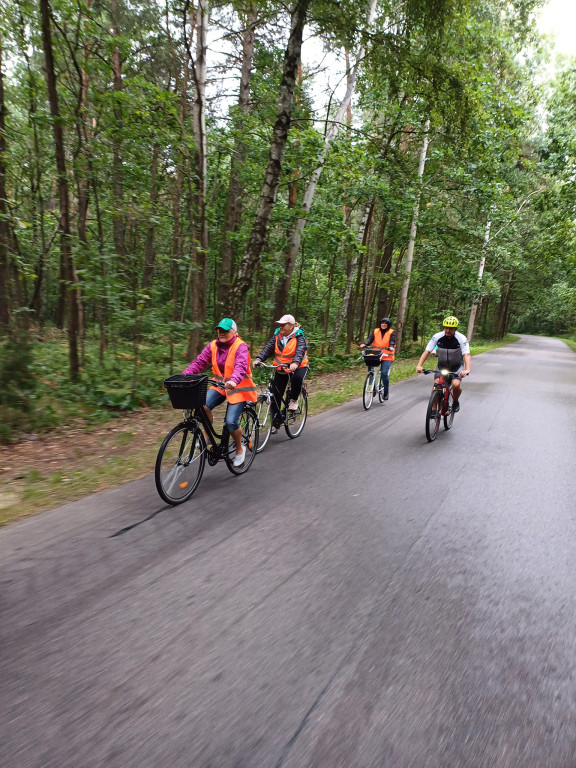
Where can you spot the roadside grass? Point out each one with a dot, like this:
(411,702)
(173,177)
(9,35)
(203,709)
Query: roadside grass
(34,490)
(570,340)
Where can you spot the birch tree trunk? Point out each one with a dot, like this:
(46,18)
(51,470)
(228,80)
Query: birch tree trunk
(400,317)
(118,223)
(200,246)
(269,190)
(478,298)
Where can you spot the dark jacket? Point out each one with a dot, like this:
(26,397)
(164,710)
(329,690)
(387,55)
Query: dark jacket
(301,347)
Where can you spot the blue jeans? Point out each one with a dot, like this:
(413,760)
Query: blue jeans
(385,366)
(214,398)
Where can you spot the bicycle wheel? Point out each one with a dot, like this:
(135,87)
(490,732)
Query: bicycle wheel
(449,414)
(248,423)
(380,389)
(264,415)
(368,394)
(295,420)
(180,463)
(433,421)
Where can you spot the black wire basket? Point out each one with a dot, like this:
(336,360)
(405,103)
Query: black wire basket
(187,390)
(372,359)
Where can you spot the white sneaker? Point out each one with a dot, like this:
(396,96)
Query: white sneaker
(239,458)
(292,405)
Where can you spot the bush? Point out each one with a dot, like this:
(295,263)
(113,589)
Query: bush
(17,386)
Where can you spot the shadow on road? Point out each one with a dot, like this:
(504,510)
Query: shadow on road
(140,522)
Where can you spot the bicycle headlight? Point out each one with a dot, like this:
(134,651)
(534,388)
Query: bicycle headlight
(444,372)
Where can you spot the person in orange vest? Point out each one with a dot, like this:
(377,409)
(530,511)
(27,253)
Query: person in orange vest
(383,338)
(229,357)
(290,350)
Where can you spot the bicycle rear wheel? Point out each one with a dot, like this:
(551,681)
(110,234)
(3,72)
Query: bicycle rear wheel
(248,423)
(433,415)
(295,420)
(368,394)
(264,415)
(449,415)
(180,464)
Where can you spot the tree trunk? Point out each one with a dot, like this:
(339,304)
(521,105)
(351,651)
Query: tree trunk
(233,216)
(410,253)
(5,299)
(362,232)
(200,246)
(352,76)
(478,298)
(149,256)
(64,219)
(269,190)
(118,223)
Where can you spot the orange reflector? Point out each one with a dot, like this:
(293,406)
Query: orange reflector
(183,485)
(250,444)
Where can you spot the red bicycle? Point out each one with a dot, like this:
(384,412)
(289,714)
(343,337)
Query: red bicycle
(441,403)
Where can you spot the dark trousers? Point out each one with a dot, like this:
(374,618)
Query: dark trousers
(279,385)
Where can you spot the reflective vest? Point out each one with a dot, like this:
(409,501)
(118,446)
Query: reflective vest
(245,390)
(384,342)
(285,356)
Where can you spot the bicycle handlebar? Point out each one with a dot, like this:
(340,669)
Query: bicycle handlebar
(275,367)
(442,372)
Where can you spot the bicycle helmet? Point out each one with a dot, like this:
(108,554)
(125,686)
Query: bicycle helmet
(450,322)
(386,320)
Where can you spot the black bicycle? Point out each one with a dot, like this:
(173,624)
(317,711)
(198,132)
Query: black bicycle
(440,404)
(183,453)
(292,421)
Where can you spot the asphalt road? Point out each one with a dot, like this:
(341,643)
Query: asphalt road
(359,598)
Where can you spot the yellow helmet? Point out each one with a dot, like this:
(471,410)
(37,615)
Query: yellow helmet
(450,322)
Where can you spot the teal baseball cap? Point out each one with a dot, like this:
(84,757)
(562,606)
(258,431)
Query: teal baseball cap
(227,324)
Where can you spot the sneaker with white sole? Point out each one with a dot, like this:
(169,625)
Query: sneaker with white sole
(239,458)
(293,405)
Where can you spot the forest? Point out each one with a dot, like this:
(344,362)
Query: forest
(164,164)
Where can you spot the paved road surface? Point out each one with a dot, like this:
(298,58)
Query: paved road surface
(360,598)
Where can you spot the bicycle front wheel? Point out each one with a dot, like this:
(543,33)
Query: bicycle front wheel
(368,394)
(180,464)
(449,414)
(433,415)
(295,420)
(248,423)
(264,415)
(380,389)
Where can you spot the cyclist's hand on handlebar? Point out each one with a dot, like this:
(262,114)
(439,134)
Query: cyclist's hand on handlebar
(419,368)
(257,362)
(230,385)
(293,367)
(362,346)
(464,373)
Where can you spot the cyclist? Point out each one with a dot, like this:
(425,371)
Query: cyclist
(384,338)
(229,357)
(290,350)
(453,353)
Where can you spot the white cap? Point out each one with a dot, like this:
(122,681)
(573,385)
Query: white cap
(287,319)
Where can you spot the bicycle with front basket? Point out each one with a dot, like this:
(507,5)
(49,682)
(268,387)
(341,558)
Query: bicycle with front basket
(440,404)
(292,421)
(183,453)
(373,383)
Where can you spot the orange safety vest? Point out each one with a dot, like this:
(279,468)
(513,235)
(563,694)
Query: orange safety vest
(246,389)
(285,356)
(384,342)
